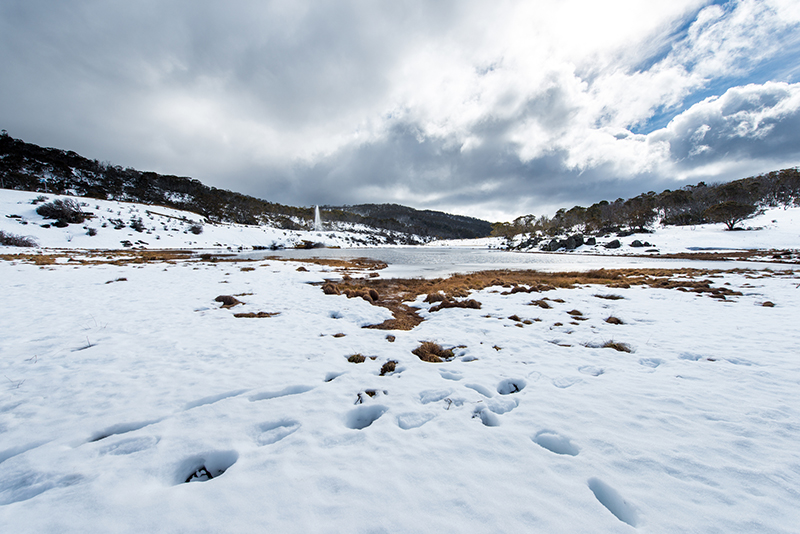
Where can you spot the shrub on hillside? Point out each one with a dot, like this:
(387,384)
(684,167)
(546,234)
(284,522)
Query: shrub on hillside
(11,240)
(66,211)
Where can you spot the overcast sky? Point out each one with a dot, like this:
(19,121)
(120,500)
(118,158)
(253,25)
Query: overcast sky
(491,109)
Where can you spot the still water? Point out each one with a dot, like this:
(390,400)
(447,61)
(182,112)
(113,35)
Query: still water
(431,262)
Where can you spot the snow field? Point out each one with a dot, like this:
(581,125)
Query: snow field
(165,228)
(116,393)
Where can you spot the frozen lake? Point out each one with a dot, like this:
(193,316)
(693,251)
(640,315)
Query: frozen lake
(432,262)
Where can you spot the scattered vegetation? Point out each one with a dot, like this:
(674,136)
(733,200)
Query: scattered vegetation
(614,320)
(356,358)
(256,315)
(228,301)
(616,345)
(433,352)
(388,367)
(13,240)
(66,211)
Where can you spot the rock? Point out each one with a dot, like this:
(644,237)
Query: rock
(613,244)
(591,241)
(637,244)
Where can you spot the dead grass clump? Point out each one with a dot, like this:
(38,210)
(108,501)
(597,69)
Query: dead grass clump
(330,288)
(388,367)
(247,269)
(356,358)
(575,312)
(616,345)
(117,280)
(434,297)
(302,269)
(258,315)
(541,303)
(447,303)
(515,318)
(433,352)
(610,297)
(614,320)
(228,301)
(768,304)
(390,338)
(340,334)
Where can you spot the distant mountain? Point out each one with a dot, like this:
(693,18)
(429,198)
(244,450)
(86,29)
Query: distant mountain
(28,167)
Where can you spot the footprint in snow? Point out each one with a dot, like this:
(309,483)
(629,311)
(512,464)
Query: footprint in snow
(565,381)
(450,375)
(487,417)
(410,420)
(555,442)
(130,445)
(205,467)
(363,416)
(613,501)
(480,389)
(274,431)
(18,487)
(651,362)
(591,370)
(291,390)
(121,428)
(511,385)
(213,399)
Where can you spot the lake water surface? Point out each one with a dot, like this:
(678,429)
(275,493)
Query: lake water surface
(432,262)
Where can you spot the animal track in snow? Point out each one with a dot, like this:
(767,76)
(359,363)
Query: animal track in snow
(121,428)
(363,416)
(291,390)
(205,467)
(213,398)
(555,442)
(274,431)
(511,385)
(613,501)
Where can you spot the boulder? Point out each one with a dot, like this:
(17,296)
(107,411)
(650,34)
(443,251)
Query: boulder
(613,244)
(591,241)
(637,244)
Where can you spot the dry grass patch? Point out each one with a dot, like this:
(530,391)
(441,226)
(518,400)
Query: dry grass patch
(610,297)
(356,358)
(469,303)
(394,293)
(614,320)
(433,352)
(228,301)
(616,345)
(258,315)
(388,367)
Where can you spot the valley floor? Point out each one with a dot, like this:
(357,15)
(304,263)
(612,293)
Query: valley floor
(123,381)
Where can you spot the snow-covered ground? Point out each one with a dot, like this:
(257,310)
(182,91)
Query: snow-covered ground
(122,382)
(164,228)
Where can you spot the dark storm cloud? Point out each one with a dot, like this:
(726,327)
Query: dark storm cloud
(491,110)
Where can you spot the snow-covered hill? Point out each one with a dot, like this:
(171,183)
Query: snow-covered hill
(165,228)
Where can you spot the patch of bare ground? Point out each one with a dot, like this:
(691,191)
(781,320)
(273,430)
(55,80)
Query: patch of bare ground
(257,315)
(395,293)
(433,352)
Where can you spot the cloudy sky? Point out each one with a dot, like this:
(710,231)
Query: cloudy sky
(491,109)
